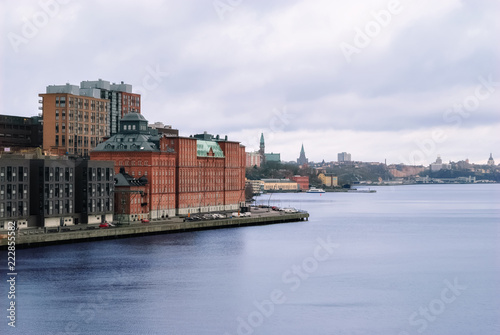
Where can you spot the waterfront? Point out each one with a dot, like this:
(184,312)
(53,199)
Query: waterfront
(364,263)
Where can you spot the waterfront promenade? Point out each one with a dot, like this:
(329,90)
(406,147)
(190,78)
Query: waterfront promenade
(37,237)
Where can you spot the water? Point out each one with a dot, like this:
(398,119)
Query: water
(405,260)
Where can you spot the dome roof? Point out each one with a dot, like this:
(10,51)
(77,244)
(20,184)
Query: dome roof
(132,116)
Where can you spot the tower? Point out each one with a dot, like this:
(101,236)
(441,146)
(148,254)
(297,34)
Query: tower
(491,161)
(302,160)
(262,149)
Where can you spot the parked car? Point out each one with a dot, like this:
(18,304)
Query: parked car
(144,220)
(104,225)
(246,214)
(290,210)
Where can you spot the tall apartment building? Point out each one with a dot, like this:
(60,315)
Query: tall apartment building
(344,157)
(120,98)
(77,118)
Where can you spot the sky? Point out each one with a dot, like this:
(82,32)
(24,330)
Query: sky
(402,81)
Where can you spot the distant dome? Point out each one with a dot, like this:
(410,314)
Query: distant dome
(132,116)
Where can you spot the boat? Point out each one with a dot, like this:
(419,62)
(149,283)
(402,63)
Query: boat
(315,190)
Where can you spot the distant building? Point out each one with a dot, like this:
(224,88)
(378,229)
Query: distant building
(328,179)
(302,160)
(404,171)
(266,157)
(164,129)
(257,186)
(438,165)
(272,157)
(18,133)
(491,162)
(279,185)
(302,181)
(344,157)
(262,149)
(253,159)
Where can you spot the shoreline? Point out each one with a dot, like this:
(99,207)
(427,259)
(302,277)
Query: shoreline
(174,225)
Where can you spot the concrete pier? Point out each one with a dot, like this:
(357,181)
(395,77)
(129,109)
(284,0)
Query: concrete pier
(25,239)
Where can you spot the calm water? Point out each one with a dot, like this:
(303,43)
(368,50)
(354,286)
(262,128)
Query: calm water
(405,260)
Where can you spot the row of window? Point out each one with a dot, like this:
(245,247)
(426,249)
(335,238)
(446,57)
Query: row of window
(58,174)
(13,209)
(81,116)
(100,190)
(12,192)
(52,207)
(132,163)
(99,174)
(13,174)
(81,103)
(99,205)
(80,129)
(58,191)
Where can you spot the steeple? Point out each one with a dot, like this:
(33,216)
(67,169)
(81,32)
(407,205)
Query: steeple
(302,158)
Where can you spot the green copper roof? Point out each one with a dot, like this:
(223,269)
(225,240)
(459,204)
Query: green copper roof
(272,157)
(203,149)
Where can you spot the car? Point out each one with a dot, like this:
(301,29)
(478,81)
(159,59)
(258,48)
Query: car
(246,214)
(104,225)
(144,220)
(290,210)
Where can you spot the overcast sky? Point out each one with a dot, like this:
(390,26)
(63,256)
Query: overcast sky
(402,81)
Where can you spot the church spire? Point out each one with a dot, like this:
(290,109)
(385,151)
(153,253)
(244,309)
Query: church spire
(302,157)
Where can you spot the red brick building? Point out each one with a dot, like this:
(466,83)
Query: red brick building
(131,198)
(184,175)
(302,181)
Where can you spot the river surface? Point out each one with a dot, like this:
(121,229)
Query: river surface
(422,259)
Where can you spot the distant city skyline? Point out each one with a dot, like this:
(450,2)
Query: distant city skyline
(402,81)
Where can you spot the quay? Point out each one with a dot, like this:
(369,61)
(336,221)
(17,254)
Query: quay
(27,238)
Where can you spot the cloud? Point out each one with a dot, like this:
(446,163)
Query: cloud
(230,76)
